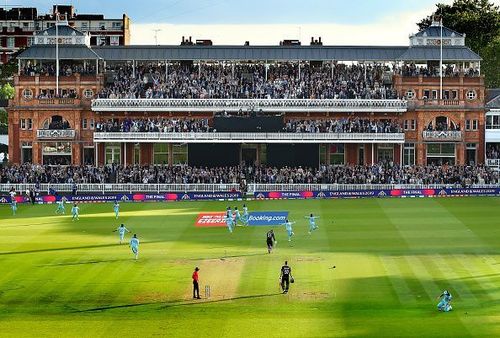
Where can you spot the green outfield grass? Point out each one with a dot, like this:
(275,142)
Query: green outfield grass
(392,258)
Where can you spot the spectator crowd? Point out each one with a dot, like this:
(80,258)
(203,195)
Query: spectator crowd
(162,125)
(382,173)
(343,125)
(174,125)
(224,81)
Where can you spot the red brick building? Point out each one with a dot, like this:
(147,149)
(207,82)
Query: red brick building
(18,26)
(422,108)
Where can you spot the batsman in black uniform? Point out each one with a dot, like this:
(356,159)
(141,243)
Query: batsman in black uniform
(286,277)
(270,240)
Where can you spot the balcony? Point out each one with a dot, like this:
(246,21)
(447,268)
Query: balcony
(440,136)
(133,137)
(493,163)
(55,134)
(61,101)
(234,105)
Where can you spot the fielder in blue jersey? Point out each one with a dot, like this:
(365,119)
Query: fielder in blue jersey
(61,210)
(121,231)
(312,223)
(445,302)
(75,212)
(13,205)
(134,245)
(229,222)
(116,208)
(289,230)
(237,216)
(245,215)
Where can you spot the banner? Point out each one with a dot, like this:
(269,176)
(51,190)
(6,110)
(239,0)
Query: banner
(194,196)
(267,217)
(211,219)
(445,192)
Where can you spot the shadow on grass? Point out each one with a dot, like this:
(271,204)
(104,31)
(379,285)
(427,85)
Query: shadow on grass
(68,248)
(83,263)
(178,303)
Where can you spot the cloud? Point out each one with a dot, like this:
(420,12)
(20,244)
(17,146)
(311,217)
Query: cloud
(393,30)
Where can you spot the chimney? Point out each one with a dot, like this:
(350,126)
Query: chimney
(320,41)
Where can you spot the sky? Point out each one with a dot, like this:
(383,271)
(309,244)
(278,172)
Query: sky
(262,22)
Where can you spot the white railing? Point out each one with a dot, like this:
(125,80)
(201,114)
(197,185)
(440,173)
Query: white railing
(120,187)
(442,135)
(54,134)
(278,105)
(133,137)
(163,188)
(354,187)
(493,163)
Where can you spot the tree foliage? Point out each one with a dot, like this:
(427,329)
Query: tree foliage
(480,21)
(7,92)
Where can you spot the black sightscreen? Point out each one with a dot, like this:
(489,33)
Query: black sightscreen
(213,155)
(293,155)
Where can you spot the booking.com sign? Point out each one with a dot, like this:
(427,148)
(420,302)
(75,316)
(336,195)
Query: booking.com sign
(267,217)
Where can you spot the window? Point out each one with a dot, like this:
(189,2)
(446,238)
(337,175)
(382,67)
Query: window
(26,124)
(27,94)
(26,152)
(385,152)
(470,153)
(180,153)
(409,154)
(454,94)
(91,124)
(337,154)
(160,153)
(410,125)
(493,122)
(137,154)
(11,42)
(471,95)
(117,24)
(441,149)
(322,154)
(410,94)
(113,154)
(88,155)
(31,40)
(84,124)
(427,94)
(88,93)
(434,94)
(84,25)
(471,125)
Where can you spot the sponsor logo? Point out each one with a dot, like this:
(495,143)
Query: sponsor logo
(267,217)
(211,219)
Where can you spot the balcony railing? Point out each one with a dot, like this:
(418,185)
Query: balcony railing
(61,101)
(493,163)
(55,134)
(454,136)
(132,137)
(103,188)
(270,105)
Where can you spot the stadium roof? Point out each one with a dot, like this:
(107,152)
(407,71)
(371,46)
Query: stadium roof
(493,98)
(456,53)
(435,32)
(62,30)
(222,53)
(66,52)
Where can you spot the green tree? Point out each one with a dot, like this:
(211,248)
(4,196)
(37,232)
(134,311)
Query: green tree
(480,21)
(7,92)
